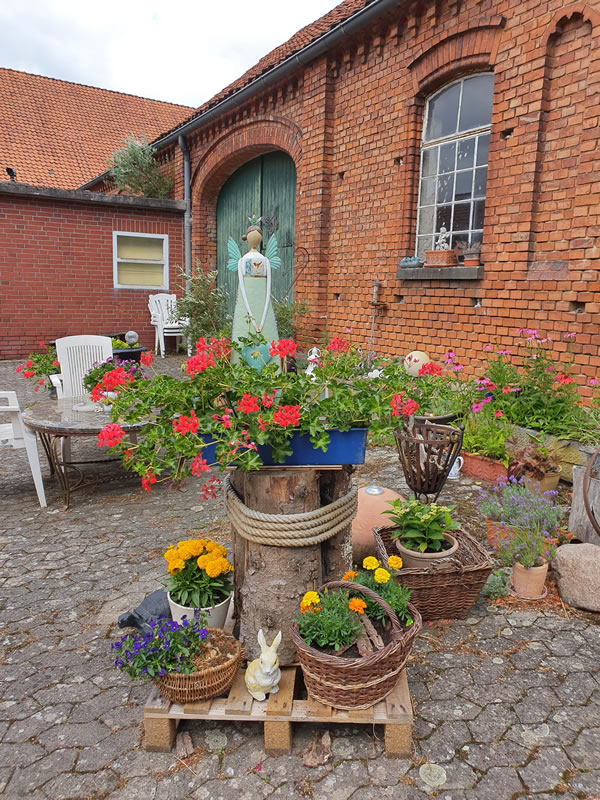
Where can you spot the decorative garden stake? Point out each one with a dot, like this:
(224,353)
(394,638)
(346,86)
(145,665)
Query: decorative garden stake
(263,674)
(253,308)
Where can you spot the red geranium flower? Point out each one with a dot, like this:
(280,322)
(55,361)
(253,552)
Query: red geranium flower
(283,348)
(287,416)
(147,359)
(199,465)
(337,345)
(148,479)
(199,362)
(110,435)
(430,369)
(248,404)
(185,424)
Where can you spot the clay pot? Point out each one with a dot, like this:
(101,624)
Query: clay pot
(441,258)
(372,502)
(411,559)
(528,582)
(497,533)
(546,484)
(485,469)
(473,261)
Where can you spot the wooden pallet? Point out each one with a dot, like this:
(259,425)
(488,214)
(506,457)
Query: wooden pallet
(279,712)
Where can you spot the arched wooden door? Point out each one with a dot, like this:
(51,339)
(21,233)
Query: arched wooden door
(265,186)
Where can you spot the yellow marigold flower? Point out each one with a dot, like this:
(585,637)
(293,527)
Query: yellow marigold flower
(171,553)
(310,599)
(381,575)
(214,568)
(350,575)
(184,551)
(204,560)
(370,562)
(394,562)
(195,547)
(357,605)
(176,566)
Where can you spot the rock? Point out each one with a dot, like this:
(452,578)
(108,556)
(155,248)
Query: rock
(577,570)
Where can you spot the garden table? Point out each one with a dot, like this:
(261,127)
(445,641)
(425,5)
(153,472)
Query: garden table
(56,421)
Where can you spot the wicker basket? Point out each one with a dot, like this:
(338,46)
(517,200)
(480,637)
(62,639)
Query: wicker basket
(449,589)
(208,682)
(353,683)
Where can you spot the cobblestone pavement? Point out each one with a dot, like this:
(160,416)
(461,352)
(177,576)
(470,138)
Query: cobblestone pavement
(507,703)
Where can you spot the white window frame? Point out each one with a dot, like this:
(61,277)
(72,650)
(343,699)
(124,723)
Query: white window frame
(117,261)
(454,137)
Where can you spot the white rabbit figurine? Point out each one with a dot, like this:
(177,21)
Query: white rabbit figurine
(263,674)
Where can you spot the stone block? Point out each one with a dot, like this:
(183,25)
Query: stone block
(577,570)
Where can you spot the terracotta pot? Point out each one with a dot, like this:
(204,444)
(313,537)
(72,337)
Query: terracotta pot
(486,469)
(498,532)
(528,582)
(546,484)
(411,559)
(471,262)
(372,502)
(441,258)
(215,616)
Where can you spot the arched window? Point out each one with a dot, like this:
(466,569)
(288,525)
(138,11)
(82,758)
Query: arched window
(454,157)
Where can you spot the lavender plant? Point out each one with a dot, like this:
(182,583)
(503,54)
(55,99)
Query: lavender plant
(514,504)
(170,647)
(528,547)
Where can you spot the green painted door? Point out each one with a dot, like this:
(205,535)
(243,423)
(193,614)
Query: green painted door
(265,186)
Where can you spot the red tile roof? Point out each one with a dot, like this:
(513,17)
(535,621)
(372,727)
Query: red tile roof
(298,41)
(60,134)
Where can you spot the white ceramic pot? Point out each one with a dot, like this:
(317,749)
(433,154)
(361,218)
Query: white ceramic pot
(215,616)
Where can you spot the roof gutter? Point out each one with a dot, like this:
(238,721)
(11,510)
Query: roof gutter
(313,50)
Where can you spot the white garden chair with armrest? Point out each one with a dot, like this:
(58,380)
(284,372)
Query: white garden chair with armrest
(76,355)
(163,309)
(19,436)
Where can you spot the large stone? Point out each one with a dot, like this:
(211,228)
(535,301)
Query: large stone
(577,569)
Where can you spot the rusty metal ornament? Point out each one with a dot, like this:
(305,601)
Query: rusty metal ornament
(427,452)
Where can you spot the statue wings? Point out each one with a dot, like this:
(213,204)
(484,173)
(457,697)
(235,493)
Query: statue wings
(272,253)
(234,254)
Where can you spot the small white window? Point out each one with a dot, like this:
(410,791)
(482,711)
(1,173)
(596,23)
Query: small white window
(140,260)
(454,159)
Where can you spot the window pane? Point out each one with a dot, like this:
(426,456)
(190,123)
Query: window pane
(427,191)
(426,216)
(483,148)
(140,274)
(443,113)
(476,237)
(460,239)
(480,182)
(424,243)
(445,187)
(442,217)
(466,151)
(464,184)
(139,247)
(478,212)
(429,161)
(447,157)
(476,105)
(462,213)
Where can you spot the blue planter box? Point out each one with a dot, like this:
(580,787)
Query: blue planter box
(345,447)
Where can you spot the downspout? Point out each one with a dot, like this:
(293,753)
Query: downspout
(187,219)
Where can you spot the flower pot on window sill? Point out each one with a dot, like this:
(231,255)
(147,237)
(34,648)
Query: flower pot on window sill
(441,258)
(472,261)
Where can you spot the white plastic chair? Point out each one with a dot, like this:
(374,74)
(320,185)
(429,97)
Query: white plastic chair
(76,356)
(163,308)
(18,435)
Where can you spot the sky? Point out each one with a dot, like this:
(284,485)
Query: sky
(181,52)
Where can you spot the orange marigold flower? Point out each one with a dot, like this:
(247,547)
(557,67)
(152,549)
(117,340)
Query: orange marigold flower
(350,575)
(357,605)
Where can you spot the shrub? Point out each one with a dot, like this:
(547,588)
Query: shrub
(203,304)
(134,169)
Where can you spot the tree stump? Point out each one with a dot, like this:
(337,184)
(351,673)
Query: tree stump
(269,581)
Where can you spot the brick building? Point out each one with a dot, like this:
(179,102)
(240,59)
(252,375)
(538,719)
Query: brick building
(368,105)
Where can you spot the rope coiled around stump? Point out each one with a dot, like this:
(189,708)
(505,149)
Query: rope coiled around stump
(290,530)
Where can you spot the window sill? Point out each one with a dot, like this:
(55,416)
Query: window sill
(439,273)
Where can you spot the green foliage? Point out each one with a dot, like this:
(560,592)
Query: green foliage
(134,169)
(496,585)
(394,594)
(203,304)
(529,547)
(486,435)
(192,587)
(170,647)
(420,527)
(288,315)
(331,624)
(119,344)
(39,366)
(98,371)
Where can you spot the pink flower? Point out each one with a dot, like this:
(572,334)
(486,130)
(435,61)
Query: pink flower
(504,352)
(497,414)
(570,335)
(593,382)
(476,407)
(487,347)
(457,367)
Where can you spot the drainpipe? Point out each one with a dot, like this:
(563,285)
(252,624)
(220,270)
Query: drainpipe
(187,219)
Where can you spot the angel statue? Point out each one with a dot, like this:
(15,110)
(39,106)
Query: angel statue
(253,308)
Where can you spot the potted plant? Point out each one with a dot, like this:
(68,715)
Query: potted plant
(512,505)
(199,580)
(39,367)
(126,351)
(528,551)
(422,532)
(472,255)
(378,579)
(225,412)
(327,634)
(538,465)
(442,255)
(484,441)
(104,379)
(187,661)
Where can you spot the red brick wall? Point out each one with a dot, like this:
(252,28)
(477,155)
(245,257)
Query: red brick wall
(56,271)
(352,123)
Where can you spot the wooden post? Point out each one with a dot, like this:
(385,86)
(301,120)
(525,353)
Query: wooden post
(337,551)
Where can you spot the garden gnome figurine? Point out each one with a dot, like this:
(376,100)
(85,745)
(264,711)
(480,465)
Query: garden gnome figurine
(253,308)
(263,674)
